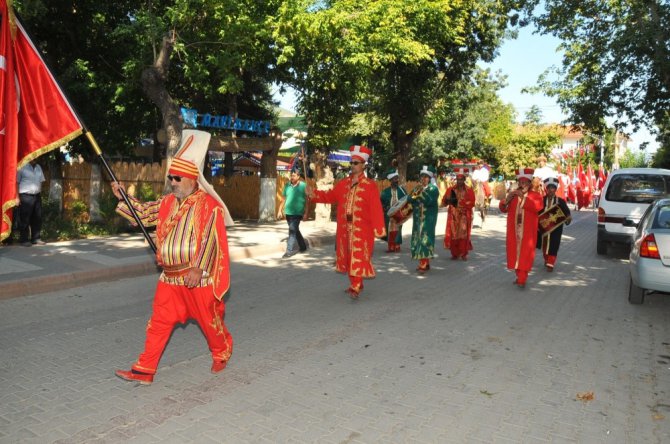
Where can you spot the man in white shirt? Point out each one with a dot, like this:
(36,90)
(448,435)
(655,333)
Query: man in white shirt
(29,183)
(481,174)
(543,171)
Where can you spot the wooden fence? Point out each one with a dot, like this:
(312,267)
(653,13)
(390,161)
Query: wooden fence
(240,193)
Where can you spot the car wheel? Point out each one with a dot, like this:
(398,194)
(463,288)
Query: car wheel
(601,246)
(635,293)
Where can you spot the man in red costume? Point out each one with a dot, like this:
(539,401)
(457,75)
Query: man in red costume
(192,249)
(359,220)
(461,200)
(522,206)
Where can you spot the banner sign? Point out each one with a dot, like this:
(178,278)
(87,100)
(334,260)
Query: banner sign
(190,116)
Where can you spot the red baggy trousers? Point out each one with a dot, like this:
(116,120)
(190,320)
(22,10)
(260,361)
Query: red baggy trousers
(176,304)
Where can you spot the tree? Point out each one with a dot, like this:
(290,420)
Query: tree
(528,142)
(223,55)
(392,58)
(632,159)
(471,122)
(616,62)
(533,116)
(86,48)
(127,66)
(662,156)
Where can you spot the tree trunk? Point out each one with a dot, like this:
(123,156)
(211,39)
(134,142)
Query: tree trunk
(153,83)
(324,181)
(269,158)
(268,196)
(402,144)
(228,167)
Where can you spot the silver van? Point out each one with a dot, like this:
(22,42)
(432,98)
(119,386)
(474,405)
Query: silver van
(625,197)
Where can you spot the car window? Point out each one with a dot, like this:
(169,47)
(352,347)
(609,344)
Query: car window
(644,221)
(638,187)
(662,219)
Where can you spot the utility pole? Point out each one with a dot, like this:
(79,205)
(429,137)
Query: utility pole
(615,164)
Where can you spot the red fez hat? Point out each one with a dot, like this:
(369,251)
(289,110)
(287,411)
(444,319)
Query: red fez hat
(525,173)
(184,168)
(360,151)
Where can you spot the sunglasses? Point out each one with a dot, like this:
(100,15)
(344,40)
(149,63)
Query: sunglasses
(175,178)
(355,162)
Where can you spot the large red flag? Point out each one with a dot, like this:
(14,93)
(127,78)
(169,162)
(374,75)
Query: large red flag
(35,115)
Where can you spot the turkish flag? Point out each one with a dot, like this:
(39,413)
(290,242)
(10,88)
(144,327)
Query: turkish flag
(601,178)
(561,189)
(35,115)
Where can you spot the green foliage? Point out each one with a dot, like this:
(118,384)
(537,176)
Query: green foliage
(472,122)
(529,142)
(394,59)
(632,159)
(146,193)
(87,53)
(223,60)
(533,116)
(616,60)
(75,224)
(662,156)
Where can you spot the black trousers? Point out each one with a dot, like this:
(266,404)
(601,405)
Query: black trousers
(294,234)
(30,217)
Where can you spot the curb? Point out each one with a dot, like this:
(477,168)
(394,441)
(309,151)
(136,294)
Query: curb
(74,279)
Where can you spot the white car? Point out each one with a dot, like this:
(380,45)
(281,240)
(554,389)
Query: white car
(625,197)
(650,253)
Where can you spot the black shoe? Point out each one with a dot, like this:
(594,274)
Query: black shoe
(287,255)
(26,244)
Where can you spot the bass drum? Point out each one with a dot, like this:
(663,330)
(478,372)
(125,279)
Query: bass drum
(401,211)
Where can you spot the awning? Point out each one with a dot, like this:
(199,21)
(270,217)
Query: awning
(340,157)
(253,160)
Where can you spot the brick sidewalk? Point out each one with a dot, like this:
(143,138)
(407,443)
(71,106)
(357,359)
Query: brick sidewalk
(59,265)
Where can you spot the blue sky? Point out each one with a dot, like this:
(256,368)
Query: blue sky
(523,60)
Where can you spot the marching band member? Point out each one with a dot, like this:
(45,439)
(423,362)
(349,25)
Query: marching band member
(424,202)
(193,252)
(522,206)
(359,220)
(390,197)
(460,200)
(550,242)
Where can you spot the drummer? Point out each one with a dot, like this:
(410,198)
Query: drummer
(390,197)
(550,242)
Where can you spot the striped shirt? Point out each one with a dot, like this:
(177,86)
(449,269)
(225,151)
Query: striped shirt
(179,249)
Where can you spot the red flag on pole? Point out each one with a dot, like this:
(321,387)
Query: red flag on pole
(35,116)
(601,177)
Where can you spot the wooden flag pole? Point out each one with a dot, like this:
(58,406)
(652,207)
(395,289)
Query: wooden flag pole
(98,151)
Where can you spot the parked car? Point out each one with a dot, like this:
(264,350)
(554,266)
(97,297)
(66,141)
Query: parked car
(650,253)
(625,197)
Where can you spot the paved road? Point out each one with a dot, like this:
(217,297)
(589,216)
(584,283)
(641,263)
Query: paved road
(459,355)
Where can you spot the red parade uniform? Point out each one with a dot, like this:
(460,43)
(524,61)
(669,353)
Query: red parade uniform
(522,221)
(459,221)
(359,220)
(190,235)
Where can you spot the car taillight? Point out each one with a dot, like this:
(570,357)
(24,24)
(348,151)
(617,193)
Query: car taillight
(601,215)
(648,247)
